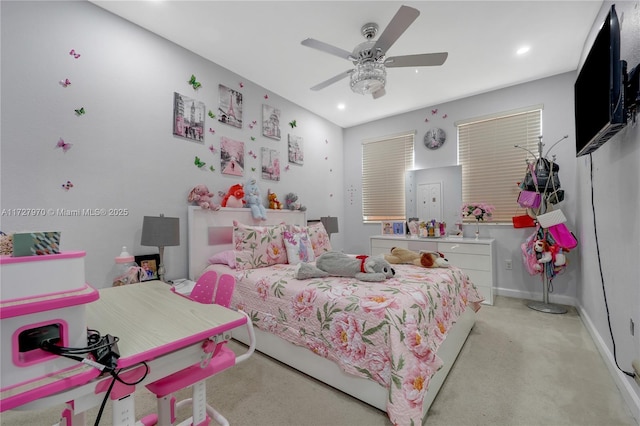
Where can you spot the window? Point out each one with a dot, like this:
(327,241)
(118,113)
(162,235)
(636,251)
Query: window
(491,165)
(384,162)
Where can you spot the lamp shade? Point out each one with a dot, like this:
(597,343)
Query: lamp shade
(330,224)
(160,231)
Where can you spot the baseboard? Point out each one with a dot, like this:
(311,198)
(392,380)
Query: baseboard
(528,295)
(621,380)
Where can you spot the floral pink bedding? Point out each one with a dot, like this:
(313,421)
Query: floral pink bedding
(388,332)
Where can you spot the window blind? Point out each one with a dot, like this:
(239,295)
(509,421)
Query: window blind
(384,162)
(491,165)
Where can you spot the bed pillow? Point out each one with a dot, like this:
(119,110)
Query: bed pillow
(258,246)
(318,236)
(299,248)
(226,257)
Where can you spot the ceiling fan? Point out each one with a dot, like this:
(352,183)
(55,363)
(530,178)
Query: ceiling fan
(369,75)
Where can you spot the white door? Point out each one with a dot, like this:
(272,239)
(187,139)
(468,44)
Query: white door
(430,201)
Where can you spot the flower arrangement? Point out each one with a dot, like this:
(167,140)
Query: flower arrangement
(481,211)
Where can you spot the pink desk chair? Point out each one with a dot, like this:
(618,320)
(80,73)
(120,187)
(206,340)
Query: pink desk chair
(216,357)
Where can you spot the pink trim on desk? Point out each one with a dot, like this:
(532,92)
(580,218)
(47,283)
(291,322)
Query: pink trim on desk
(84,375)
(48,302)
(179,344)
(7,260)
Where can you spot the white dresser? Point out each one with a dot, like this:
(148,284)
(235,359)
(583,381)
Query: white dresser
(475,257)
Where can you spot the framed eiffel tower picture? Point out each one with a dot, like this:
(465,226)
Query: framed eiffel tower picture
(270,122)
(230,106)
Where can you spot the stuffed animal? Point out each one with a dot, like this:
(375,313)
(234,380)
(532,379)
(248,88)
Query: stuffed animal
(252,197)
(200,195)
(291,202)
(543,254)
(426,259)
(336,264)
(274,204)
(234,197)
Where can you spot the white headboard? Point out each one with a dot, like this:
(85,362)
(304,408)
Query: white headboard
(210,232)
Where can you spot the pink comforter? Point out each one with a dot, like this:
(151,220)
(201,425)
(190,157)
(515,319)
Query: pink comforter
(388,332)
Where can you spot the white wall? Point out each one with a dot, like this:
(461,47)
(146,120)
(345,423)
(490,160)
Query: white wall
(616,194)
(556,96)
(124,154)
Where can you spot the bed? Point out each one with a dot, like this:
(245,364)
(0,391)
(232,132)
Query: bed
(388,344)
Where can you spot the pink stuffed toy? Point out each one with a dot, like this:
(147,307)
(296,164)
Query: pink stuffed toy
(200,194)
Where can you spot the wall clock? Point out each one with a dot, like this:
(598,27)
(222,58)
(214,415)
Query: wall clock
(434,138)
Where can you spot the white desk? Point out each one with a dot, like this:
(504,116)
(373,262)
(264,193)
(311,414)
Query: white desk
(155,326)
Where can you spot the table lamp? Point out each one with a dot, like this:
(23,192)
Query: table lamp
(161,232)
(330,224)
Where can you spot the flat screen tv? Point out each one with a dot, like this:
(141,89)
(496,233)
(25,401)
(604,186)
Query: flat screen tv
(599,90)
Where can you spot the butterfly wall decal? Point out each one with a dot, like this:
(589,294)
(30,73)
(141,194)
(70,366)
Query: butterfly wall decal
(434,111)
(212,169)
(199,163)
(65,82)
(293,124)
(253,169)
(241,84)
(252,154)
(74,54)
(253,138)
(445,116)
(212,149)
(211,114)
(266,96)
(195,84)
(62,144)
(80,111)
(211,130)
(67,185)
(286,169)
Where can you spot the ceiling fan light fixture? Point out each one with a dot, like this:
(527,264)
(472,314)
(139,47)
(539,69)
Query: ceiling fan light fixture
(368,77)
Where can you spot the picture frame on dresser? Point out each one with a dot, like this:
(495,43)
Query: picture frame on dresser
(394,227)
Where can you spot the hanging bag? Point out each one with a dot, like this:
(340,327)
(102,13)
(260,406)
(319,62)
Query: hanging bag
(530,198)
(563,237)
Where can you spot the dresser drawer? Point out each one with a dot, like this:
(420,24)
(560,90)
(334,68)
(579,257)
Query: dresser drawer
(469,261)
(423,245)
(480,277)
(482,249)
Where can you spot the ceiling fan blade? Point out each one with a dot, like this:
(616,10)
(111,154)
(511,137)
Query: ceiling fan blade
(423,60)
(332,80)
(327,48)
(379,93)
(398,25)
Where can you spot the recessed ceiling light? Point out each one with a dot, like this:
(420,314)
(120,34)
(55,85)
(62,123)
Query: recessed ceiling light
(341,106)
(523,50)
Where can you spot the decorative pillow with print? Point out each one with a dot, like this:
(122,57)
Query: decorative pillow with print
(226,257)
(318,236)
(299,248)
(258,246)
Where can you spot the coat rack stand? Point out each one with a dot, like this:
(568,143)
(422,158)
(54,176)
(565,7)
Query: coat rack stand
(545,306)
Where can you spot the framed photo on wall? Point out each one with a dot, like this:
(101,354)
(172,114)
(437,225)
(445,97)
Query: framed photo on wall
(296,153)
(230,106)
(270,164)
(270,122)
(231,156)
(188,118)
(149,264)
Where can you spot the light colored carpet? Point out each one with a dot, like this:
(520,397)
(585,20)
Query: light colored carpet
(518,367)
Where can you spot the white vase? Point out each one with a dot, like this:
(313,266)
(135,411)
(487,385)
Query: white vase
(477,229)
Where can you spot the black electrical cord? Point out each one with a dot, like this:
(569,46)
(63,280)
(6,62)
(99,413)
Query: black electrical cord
(95,342)
(604,292)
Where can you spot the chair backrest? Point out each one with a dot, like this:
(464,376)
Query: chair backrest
(205,286)
(224,292)
(208,284)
